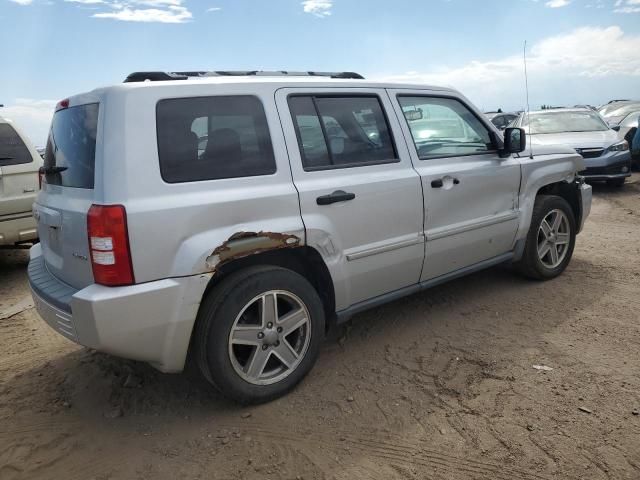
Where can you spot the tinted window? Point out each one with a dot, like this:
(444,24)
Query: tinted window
(71,147)
(499,121)
(208,138)
(13,151)
(341,131)
(443,127)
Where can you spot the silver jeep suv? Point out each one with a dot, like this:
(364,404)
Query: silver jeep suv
(230,217)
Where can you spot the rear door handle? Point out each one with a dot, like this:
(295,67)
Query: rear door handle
(335,197)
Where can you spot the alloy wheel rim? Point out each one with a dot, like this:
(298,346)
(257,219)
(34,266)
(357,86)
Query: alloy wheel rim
(554,235)
(270,337)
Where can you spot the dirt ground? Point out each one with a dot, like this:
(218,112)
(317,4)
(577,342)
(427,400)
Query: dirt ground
(440,385)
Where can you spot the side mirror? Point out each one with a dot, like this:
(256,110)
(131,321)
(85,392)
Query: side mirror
(515,140)
(616,128)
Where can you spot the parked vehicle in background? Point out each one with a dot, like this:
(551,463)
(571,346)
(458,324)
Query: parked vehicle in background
(590,107)
(231,216)
(500,119)
(19,165)
(616,116)
(607,157)
(605,110)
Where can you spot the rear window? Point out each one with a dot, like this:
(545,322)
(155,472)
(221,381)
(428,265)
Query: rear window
(70,156)
(209,138)
(13,151)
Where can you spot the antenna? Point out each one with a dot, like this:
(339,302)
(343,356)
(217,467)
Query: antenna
(526,87)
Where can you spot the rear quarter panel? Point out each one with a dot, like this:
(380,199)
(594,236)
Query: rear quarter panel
(181,229)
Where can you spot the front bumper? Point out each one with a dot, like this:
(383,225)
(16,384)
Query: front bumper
(610,166)
(151,322)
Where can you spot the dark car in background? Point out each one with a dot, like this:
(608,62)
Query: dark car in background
(501,119)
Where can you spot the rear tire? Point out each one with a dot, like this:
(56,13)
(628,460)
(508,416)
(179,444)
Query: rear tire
(618,182)
(245,341)
(548,250)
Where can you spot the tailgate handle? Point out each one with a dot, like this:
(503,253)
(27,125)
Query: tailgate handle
(48,217)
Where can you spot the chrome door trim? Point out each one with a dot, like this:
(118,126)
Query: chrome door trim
(487,221)
(386,248)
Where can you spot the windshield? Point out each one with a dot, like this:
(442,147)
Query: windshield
(560,122)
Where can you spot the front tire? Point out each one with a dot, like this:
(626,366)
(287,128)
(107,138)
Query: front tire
(551,239)
(259,333)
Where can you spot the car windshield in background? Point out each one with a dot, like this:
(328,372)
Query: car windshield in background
(69,159)
(624,110)
(560,122)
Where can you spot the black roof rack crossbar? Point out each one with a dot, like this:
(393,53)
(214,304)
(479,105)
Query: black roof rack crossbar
(158,76)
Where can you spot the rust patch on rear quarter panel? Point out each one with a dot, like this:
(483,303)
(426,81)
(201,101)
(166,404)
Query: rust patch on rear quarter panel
(243,244)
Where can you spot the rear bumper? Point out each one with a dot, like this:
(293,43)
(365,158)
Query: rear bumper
(17,229)
(150,322)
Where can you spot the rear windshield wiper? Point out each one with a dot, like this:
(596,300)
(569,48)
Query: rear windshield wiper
(52,170)
(7,158)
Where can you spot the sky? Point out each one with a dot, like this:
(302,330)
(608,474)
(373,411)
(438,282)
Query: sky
(579,51)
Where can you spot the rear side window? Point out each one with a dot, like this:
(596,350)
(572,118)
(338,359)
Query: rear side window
(209,138)
(339,132)
(13,151)
(70,156)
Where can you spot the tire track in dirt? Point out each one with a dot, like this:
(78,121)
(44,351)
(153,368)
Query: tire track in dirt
(395,450)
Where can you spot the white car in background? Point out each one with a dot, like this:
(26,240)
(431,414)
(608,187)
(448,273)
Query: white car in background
(19,184)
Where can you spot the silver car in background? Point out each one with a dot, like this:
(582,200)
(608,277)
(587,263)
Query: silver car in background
(606,156)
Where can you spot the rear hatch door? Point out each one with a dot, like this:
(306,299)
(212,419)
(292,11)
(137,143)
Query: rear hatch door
(68,193)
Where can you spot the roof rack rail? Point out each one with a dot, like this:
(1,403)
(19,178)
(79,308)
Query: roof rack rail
(158,76)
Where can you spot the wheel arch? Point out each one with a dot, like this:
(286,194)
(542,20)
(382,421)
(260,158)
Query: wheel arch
(304,260)
(567,191)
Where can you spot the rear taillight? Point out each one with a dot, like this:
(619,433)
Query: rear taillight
(62,104)
(109,245)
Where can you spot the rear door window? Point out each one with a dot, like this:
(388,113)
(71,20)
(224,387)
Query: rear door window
(70,156)
(342,131)
(13,151)
(209,138)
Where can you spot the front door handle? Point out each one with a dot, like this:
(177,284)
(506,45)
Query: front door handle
(439,182)
(337,196)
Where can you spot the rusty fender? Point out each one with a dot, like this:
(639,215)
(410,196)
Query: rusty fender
(243,244)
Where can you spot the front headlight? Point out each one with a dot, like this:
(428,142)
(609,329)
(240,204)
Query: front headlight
(619,147)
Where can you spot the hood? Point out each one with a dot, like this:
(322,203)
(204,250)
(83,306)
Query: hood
(603,139)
